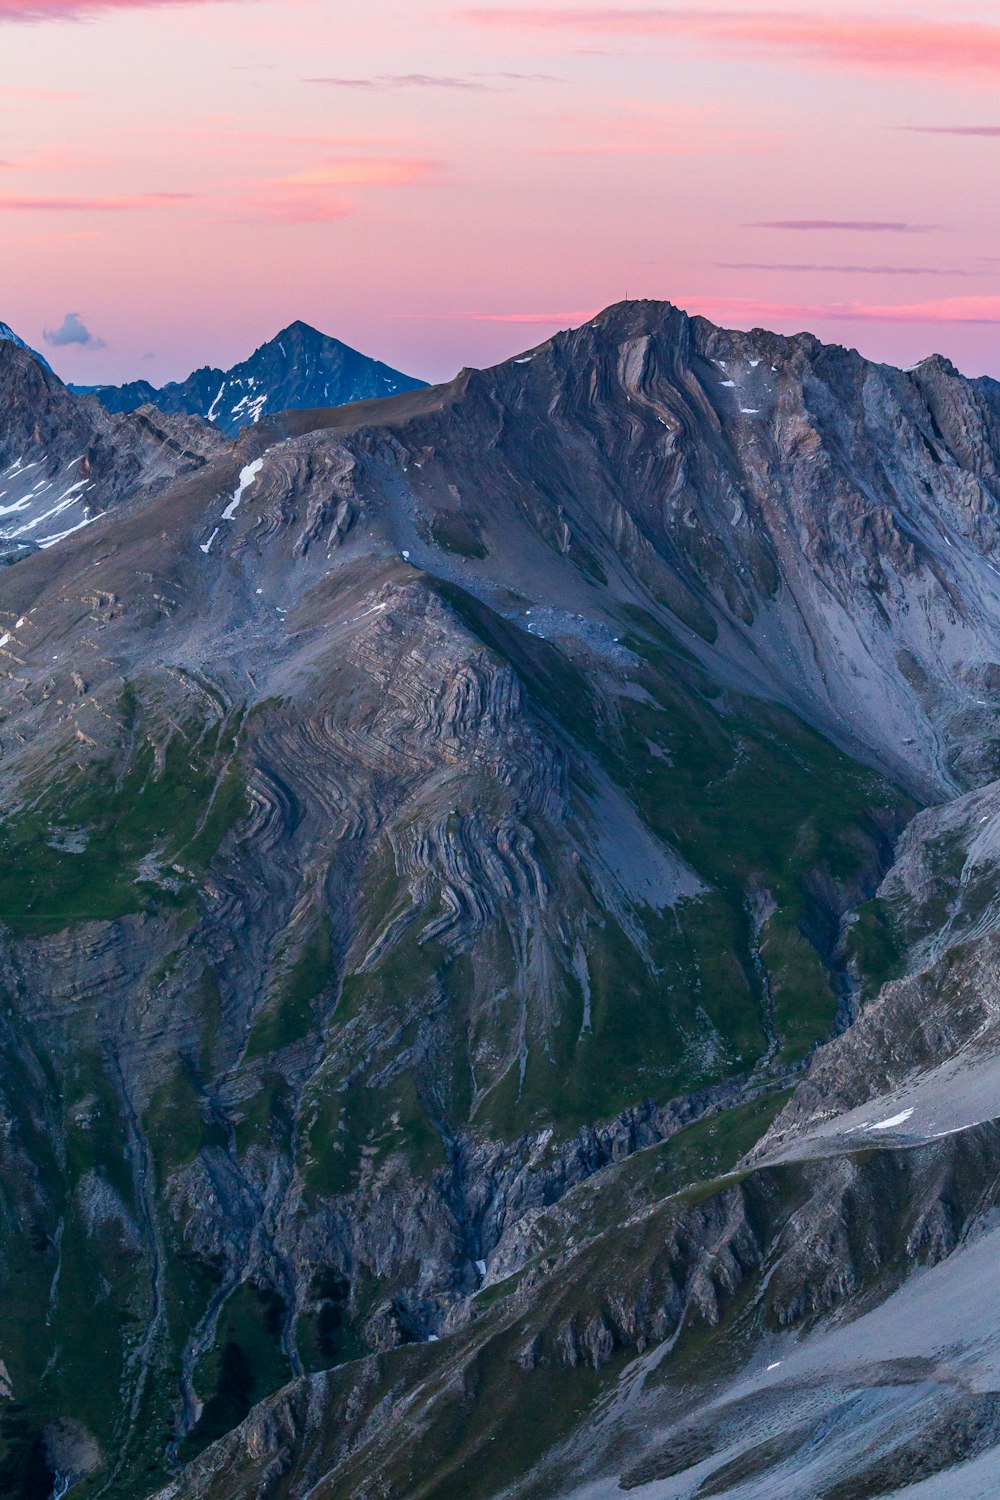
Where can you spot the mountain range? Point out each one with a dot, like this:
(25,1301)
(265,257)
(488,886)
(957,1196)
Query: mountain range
(300,368)
(498,933)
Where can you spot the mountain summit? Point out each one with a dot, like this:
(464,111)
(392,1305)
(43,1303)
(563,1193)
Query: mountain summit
(299,369)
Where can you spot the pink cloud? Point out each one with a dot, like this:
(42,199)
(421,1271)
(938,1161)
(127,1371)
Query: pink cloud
(404,81)
(547,319)
(984,130)
(842,270)
(643,129)
(304,196)
(223,136)
(902,44)
(863,226)
(752,310)
(747,310)
(75,10)
(656,148)
(290,211)
(364,171)
(92,205)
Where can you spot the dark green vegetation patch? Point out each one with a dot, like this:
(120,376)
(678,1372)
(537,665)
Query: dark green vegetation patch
(74,854)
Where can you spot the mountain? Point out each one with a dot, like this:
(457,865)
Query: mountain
(8,336)
(64,460)
(517,1016)
(299,369)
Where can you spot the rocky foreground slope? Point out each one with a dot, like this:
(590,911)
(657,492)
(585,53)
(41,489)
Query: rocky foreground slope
(499,942)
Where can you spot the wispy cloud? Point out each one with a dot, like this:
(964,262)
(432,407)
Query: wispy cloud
(404,81)
(224,135)
(303,209)
(76,10)
(321,194)
(981,130)
(364,171)
(947,310)
(469,83)
(861,226)
(547,319)
(900,43)
(636,128)
(524,77)
(770,265)
(120,204)
(754,310)
(724,147)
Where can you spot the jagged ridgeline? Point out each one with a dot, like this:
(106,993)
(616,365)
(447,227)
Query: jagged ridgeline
(438,834)
(300,367)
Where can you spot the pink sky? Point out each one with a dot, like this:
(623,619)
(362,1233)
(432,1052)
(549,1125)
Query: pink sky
(444,184)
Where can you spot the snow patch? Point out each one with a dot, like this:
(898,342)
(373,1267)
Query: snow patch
(890,1124)
(213,410)
(247,477)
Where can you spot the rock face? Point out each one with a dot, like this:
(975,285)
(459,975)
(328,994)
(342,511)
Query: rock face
(300,368)
(498,931)
(8,336)
(64,460)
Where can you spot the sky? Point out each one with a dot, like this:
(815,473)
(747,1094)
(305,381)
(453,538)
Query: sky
(447,184)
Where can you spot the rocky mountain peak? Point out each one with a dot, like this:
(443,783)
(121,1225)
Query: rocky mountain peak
(300,368)
(937,364)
